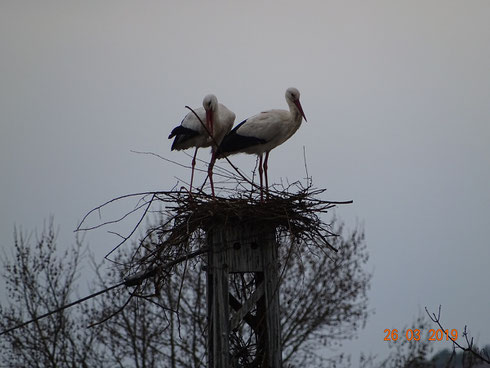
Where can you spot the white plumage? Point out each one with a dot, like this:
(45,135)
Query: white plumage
(191,132)
(263,132)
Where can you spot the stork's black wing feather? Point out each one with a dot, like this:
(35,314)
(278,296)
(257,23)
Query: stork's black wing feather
(181,134)
(233,142)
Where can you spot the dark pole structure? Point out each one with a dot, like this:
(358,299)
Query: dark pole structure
(236,247)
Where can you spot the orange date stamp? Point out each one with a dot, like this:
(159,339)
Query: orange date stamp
(415,334)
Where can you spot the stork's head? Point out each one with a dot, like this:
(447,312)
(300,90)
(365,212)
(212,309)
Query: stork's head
(210,104)
(292,96)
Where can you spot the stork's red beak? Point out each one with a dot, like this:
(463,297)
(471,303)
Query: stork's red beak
(209,121)
(298,105)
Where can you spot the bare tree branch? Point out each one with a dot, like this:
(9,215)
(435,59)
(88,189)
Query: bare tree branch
(436,318)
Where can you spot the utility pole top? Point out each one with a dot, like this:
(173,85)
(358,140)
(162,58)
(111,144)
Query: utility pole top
(243,296)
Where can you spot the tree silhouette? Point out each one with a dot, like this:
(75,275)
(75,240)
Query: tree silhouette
(323,301)
(39,279)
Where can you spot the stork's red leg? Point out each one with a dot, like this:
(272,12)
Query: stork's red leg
(265,173)
(193,165)
(260,175)
(210,172)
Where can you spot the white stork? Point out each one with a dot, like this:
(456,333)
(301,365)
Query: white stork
(263,132)
(191,133)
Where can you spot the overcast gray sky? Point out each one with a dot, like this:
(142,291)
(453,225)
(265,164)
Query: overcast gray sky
(397,99)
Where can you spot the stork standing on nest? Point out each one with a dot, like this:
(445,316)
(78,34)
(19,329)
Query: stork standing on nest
(191,132)
(263,132)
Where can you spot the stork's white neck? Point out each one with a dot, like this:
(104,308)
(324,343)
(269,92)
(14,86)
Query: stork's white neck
(296,117)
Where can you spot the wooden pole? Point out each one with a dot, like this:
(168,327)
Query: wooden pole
(243,247)
(218,311)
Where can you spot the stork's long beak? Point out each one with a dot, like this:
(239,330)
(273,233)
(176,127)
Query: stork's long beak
(298,105)
(209,121)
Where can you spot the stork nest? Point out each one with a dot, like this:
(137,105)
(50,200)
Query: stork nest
(185,221)
(296,214)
